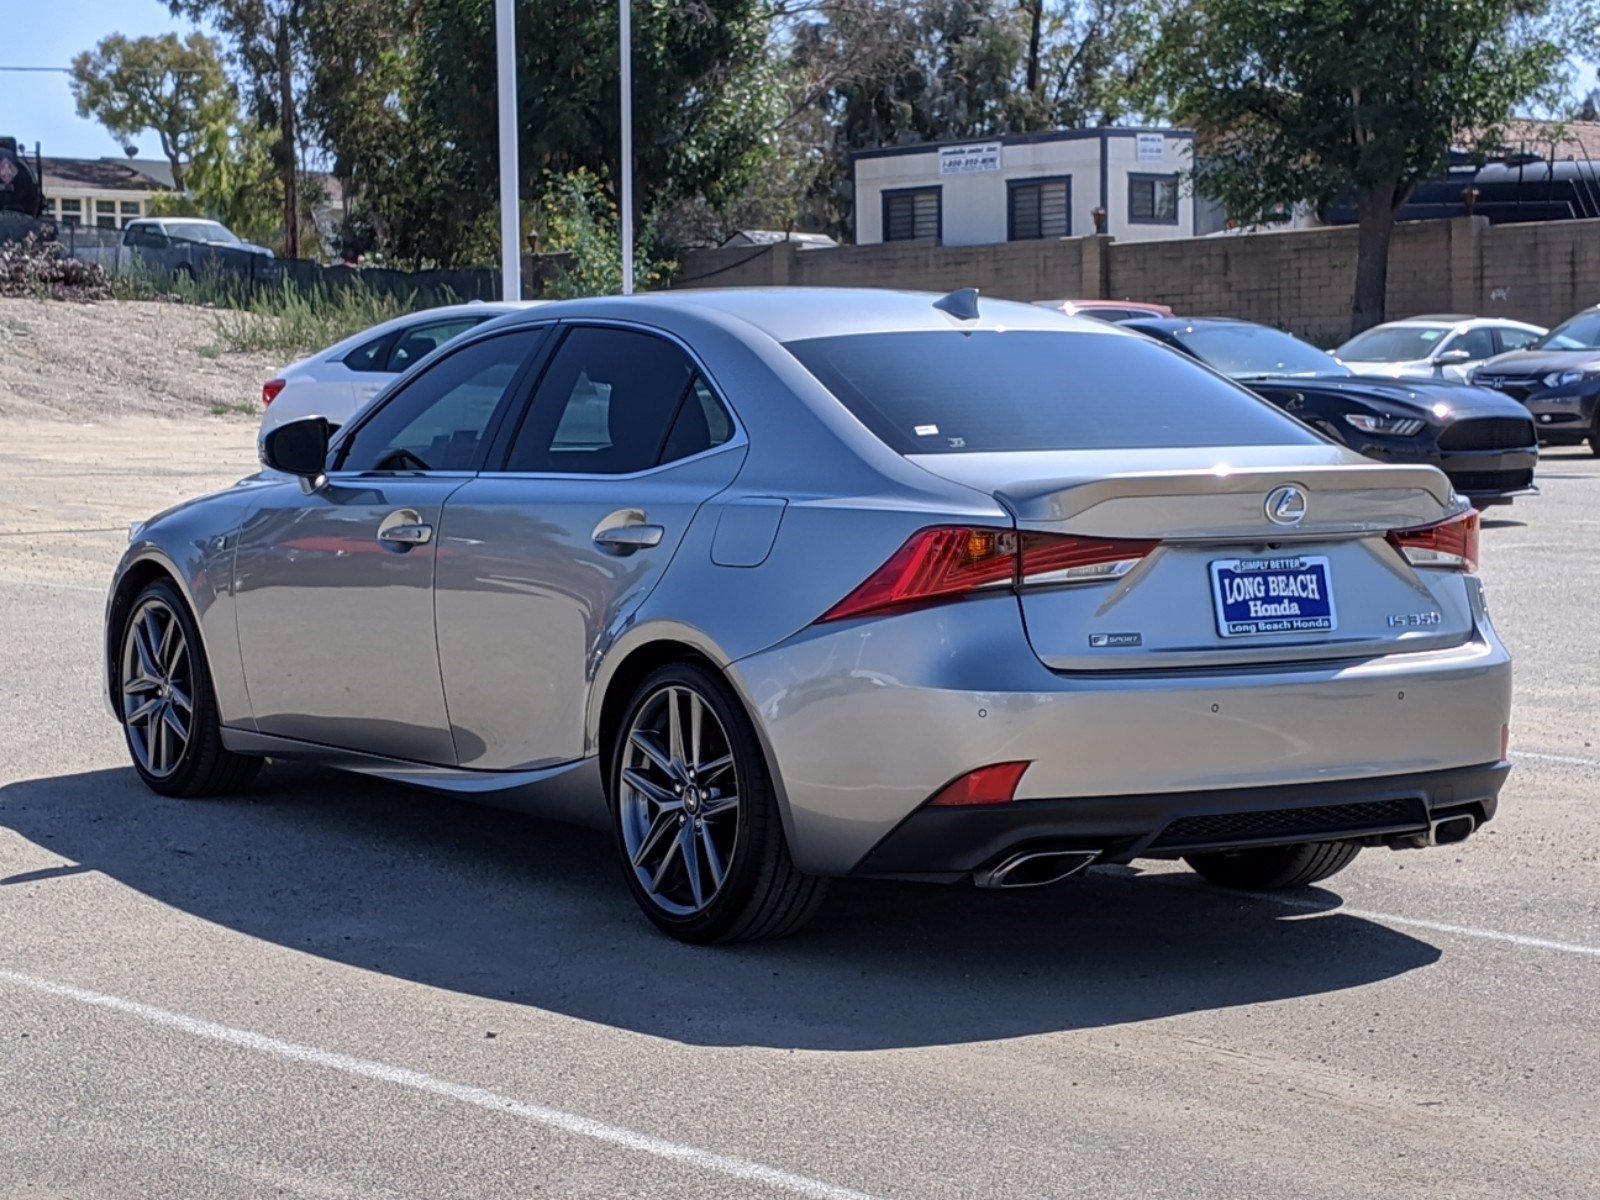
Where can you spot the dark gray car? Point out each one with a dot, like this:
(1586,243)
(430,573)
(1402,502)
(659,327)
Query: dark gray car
(1557,379)
(192,247)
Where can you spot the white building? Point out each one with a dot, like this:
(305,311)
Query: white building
(1027,186)
(105,193)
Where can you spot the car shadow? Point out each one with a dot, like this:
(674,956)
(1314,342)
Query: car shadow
(499,905)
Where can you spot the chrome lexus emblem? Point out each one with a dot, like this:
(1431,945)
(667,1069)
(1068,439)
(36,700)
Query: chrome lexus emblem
(1286,505)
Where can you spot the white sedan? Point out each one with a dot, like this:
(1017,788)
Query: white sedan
(339,380)
(1433,347)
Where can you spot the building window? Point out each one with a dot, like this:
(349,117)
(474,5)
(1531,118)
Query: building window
(1039,208)
(130,210)
(72,212)
(910,214)
(1153,199)
(105,214)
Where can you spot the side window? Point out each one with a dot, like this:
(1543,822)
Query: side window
(1516,339)
(1477,342)
(417,343)
(370,355)
(438,421)
(615,401)
(702,424)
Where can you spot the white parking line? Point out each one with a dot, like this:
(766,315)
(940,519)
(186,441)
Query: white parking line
(1492,935)
(1556,758)
(539,1114)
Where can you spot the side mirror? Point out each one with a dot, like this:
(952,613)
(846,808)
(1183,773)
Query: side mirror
(299,448)
(1453,358)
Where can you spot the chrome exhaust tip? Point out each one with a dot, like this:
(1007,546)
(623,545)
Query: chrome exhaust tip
(1036,868)
(1447,831)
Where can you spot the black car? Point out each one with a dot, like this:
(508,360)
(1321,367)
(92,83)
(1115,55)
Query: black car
(1558,378)
(1482,440)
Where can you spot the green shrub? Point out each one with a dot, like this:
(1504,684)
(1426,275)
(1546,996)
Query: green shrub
(289,322)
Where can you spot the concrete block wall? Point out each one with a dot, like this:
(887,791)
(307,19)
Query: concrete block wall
(1299,280)
(1541,272)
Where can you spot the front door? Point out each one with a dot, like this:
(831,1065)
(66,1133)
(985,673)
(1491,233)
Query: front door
(545,556)
(335,589)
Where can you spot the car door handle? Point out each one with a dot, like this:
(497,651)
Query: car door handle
(625,539)
(404,528)
(407,535)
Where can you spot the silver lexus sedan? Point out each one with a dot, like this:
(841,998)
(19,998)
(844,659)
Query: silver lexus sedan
(784,585)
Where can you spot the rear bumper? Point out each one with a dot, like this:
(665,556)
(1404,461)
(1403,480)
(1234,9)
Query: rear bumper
(865,721)
(945,844)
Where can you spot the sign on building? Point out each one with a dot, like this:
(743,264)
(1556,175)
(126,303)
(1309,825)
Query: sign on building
(1152,148)
(969,160)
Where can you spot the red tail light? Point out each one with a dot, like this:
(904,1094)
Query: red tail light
(1452,544)
(950,561)
(994,784)
(270,390)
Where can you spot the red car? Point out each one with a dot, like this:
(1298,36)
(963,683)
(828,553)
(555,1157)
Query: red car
(1107,310)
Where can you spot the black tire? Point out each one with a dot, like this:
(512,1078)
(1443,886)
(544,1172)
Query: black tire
(762,893)
(1594,435)
(204,766)
(1274,868)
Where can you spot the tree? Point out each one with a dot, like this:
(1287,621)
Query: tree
(1318,100)
(175,88)
(706,99)
(888,72)
(265,40)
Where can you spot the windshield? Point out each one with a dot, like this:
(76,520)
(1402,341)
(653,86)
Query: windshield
(949,392)
(1246,351)
(1392,343)
(1582,332)
(201,231)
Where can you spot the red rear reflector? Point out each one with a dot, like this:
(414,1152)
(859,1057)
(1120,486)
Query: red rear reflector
(994,784)
(270,390)
(950,561)
(1452,544)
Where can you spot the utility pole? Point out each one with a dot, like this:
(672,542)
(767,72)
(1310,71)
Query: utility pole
(626,14)
(505,43)
(286,130)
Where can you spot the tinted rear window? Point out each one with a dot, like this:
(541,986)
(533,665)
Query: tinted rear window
(964,393)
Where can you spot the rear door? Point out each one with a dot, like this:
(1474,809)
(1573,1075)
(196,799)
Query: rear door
(545,558)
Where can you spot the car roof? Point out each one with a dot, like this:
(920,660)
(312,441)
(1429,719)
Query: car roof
(788,314)
(494,308)
(1184,324)
(1450,321)
(1155,310)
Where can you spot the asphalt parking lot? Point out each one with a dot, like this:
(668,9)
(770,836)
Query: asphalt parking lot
(334,988)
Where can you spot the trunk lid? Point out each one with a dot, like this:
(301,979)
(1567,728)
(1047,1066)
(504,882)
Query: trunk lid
(1219,552)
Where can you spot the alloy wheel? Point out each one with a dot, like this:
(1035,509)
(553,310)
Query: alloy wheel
(679,800)
(157,687)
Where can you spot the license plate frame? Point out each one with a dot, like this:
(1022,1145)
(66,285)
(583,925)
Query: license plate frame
(1284,595)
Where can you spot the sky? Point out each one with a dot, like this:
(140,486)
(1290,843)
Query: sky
(38,106)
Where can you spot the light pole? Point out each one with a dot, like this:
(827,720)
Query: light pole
(505,43)
(626,16)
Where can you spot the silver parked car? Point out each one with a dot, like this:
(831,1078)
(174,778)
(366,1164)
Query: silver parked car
(783,585)
(1448,346)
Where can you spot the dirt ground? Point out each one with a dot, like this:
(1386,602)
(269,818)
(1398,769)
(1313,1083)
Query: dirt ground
(77,362)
